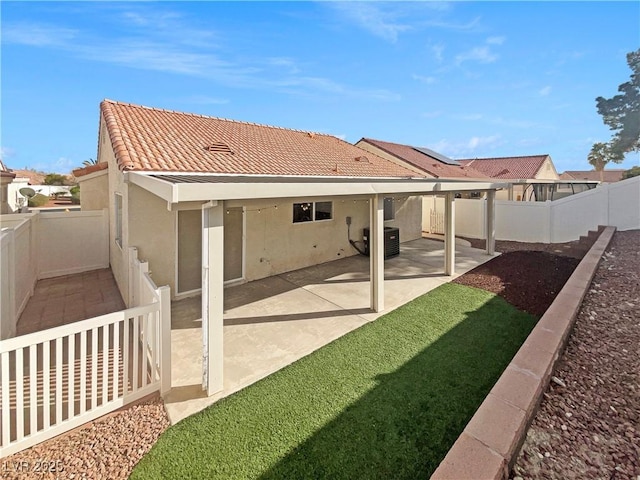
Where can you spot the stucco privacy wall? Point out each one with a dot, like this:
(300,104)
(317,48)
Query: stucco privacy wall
(94,191)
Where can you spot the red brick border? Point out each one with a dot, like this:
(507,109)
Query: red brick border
(488,446)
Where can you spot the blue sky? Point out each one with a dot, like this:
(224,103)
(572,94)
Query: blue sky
(467,79)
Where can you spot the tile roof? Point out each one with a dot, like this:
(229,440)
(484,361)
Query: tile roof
(5,172)
(80,172)
(507,167)
(156,140)
(610,176)
(35,178)
(430,164)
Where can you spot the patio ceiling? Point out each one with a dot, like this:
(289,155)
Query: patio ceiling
(175,187)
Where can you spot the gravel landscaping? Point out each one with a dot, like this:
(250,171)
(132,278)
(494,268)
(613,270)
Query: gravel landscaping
(588,424)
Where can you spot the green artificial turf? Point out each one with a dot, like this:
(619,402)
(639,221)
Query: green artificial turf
(385,401)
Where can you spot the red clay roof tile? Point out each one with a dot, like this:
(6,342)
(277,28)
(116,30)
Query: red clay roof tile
(507,167)
(424,162)
(152,139)
(80,172)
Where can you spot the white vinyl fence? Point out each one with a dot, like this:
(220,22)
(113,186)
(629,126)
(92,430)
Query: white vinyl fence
(564,220)
(57,379)
(34,246)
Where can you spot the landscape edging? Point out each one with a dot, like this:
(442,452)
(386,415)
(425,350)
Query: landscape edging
(489,444)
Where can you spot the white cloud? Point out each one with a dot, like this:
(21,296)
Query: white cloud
(473,147)
(376,18)
(543,92)
(438,51)
(477,54)
(6,152)
(423,79)
(166,42)
(37,35)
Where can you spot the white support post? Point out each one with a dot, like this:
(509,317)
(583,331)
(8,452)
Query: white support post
(165,339)
(449,234)
(491,222)
(376,252)
(212,296)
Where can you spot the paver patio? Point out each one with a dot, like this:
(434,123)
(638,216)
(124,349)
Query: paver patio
(62,300)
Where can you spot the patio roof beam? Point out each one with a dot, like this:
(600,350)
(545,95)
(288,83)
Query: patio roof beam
(173,189)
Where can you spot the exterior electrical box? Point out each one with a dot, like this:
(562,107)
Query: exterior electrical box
(391,241)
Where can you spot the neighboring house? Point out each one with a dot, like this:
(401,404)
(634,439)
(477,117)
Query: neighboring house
(608,176)
(432,164)
(6,178)
(208,201)
(421,160)
(527,174)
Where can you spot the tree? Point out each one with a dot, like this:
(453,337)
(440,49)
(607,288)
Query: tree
(622,112)
(601,154)
(91,161)
(632,172)
(56,179)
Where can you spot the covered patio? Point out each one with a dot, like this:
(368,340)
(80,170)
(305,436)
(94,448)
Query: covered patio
(273,322)
(363,296)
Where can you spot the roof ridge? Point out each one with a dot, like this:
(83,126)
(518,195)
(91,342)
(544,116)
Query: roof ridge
(212,117)
(505,158)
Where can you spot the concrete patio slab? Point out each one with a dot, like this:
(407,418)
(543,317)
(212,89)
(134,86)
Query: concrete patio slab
(271,323)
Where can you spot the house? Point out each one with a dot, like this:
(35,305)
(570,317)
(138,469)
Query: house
(210,202)
(432,164)
(523,172)
(6,177)
(421,160)
(608,176)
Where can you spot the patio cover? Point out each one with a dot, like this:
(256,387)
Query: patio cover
(213,189)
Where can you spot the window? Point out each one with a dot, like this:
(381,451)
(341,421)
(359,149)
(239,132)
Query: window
(312,211)
(389,209)
(118,208)
(323,211)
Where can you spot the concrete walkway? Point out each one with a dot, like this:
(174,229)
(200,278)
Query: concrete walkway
(273,322)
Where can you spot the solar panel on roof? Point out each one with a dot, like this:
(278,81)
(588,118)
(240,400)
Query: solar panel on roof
(437,156)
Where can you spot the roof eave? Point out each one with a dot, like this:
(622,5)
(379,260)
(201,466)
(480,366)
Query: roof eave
(189,192)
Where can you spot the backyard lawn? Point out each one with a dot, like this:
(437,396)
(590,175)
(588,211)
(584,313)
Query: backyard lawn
(385,401)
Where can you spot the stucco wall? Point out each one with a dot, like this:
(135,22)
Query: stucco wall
(274,244)
(547,171)
(152,230)
(94,191)
(118,257)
